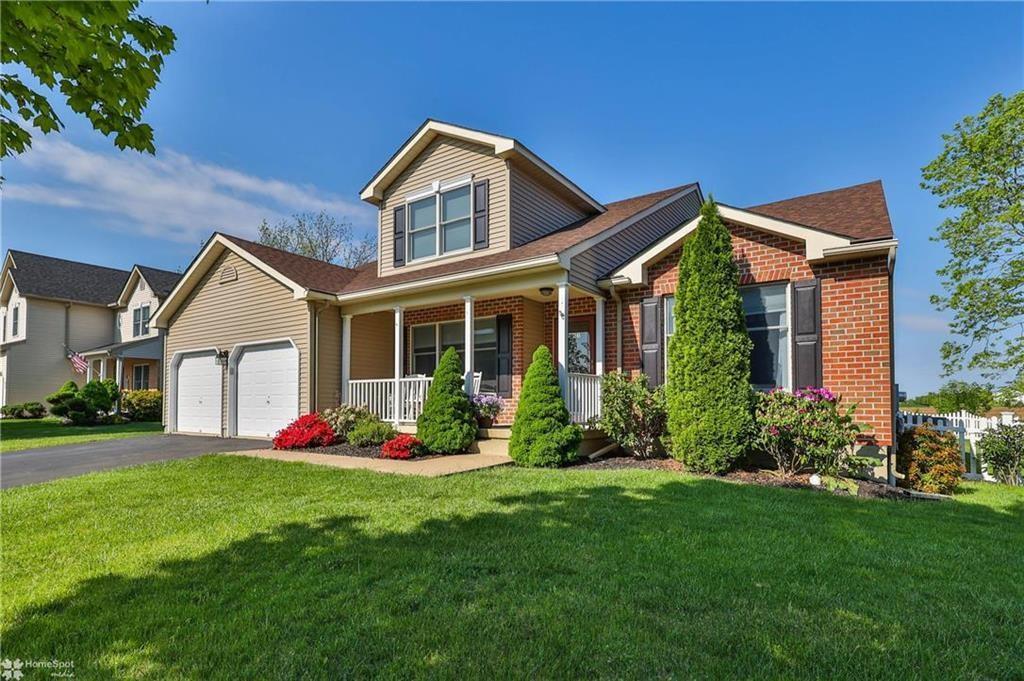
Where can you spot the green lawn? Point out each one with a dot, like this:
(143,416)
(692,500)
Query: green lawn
(228,567)
(16,434)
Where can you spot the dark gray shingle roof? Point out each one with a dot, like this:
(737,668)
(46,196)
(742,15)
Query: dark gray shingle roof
(46,277)
(161,281)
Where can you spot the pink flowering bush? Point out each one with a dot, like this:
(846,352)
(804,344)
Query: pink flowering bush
(805,429)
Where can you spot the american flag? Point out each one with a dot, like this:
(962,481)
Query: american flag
(78,362)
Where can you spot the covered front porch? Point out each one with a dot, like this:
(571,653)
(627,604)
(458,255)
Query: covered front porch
(135,364)
(389,355)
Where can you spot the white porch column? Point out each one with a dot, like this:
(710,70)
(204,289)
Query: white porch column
(468,345)
(88,372)
(346,356)
(103,368)
(396,404)
(562,322)
(120,373)
(599,336)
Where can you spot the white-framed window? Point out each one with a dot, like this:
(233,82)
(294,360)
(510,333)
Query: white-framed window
(140,321)
(140,377)
(767,310)
(15,320)
(440,221)
(767,314)
(429,342)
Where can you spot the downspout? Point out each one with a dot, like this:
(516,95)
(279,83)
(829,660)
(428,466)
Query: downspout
(894,395)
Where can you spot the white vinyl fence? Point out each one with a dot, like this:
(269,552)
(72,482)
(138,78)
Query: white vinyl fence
(968,429)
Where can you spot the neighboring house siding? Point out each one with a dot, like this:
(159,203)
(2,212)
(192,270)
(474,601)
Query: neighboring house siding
(855,326)
(15,301)
(38,365)
(594,263)
(373,345)
(447,159)
(328,369)
(250,308)
(536,210)
(138,298)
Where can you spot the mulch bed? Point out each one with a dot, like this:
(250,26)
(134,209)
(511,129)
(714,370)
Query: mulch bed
(765,478)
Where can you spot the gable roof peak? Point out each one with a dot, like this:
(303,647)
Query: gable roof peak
(858,211)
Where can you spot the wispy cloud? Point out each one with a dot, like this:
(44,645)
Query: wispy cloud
(170,195)
(923,322)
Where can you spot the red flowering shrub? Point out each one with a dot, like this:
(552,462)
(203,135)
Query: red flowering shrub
(400,447)
(306,431)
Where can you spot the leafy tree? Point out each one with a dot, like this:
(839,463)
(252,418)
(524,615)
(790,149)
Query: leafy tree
(980,174)
(1002,452)
(543,433)
(963,396)
(1012,394)
(710,408)
(447,424)
(320,236)
(102,56)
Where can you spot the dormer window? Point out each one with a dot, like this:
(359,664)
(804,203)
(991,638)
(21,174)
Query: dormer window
(140,321)
(440,221)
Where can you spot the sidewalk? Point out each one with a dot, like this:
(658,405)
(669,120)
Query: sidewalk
(430,468)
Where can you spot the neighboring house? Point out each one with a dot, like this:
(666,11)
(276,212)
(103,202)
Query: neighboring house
(51,307)
(487,248)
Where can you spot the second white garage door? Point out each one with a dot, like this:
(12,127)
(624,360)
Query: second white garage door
(267,389)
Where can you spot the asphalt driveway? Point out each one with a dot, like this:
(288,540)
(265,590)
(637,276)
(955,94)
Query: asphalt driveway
(49,463)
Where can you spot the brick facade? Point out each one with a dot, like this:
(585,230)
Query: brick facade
(855,317)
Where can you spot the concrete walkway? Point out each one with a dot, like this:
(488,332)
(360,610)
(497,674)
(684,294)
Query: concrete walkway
(430,468)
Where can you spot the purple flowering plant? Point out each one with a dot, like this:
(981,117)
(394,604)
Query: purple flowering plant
(487,405)
(805,429)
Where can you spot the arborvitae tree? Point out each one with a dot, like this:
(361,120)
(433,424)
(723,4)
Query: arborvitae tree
(710,417)
(447,424)
(675,379)
(543,433)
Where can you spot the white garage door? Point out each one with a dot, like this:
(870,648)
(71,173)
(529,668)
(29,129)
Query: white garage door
(198,388)
(267,389)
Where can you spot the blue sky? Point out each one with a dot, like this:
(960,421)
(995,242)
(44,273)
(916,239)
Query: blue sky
(266,109)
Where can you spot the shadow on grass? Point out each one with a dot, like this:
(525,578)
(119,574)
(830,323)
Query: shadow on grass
(685,578)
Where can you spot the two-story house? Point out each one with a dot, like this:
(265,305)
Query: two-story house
(51,308)
(487,248)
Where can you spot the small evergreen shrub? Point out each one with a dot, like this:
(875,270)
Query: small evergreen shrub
(58,400)
(710,416)
(401,446)
(805,429)
(80,412)
(97,394)
(143,405)
(447,424)
(344,418)
(11,411)
(929,459)
(1002,452)
(309,430)
(26,410)
(543,433)
(113,392)
(371,432)
(632,414)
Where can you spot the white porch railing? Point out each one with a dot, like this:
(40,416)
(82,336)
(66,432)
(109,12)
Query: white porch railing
(584,397)
(377,395)
(968,429)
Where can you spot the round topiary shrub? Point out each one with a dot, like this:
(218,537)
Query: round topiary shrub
(929,459)
(370,432)
(543,433)
(447,424)
(59,399)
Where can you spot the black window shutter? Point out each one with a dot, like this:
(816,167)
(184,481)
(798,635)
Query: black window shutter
(479,215)
(651,340)
(807,334)
(399,241)
(504,353)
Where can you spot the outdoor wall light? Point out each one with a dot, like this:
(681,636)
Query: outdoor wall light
(546,291)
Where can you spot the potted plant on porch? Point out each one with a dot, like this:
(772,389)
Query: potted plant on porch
(486,407)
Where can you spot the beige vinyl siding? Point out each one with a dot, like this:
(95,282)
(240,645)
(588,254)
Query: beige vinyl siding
(138,298)
(38,365)
(15,300)
(447,159)
(328,372)
(373,345)
(536,209)
(253,307)
(533,328)
(588,267)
